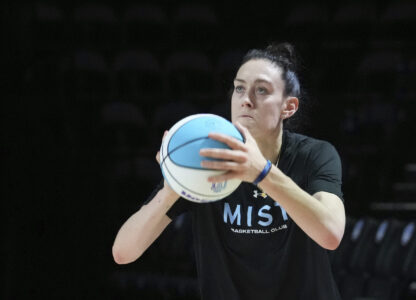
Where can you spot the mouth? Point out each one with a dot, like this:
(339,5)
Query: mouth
(246,116)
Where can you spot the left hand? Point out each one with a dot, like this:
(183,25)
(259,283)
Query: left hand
(242,161)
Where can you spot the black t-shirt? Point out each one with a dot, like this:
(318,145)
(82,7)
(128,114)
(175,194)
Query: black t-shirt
(247,247)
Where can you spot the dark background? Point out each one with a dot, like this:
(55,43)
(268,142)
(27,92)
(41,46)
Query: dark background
(89,88)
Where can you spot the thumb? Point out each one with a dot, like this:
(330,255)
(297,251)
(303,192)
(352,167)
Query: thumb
(165,134)
(243,130)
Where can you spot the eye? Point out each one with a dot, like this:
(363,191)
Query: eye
(261,91)
(239,89)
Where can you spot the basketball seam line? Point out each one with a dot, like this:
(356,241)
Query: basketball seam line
(173,177)
(178,147)
(186,188)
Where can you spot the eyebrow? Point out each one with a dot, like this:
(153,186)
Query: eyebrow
(257,80)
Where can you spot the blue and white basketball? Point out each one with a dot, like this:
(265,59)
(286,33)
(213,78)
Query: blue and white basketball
(180,160)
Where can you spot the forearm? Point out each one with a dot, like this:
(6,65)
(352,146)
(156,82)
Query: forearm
(324,224)
(143,227)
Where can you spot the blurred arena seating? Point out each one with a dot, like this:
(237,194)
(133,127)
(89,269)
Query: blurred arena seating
(121,73)
(375,259)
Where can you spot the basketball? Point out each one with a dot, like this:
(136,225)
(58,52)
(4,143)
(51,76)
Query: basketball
(180,160)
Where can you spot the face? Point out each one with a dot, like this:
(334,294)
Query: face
(257,101)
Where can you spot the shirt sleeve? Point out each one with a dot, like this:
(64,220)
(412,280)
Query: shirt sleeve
(180,206)
(325,170)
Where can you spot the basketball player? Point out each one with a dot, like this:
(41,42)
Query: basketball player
(270,238)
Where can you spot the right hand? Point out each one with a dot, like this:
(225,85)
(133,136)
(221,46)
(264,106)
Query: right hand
(166,186)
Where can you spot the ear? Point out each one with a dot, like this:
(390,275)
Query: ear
(290,106)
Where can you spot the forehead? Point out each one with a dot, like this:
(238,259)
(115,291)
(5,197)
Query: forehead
(260,69)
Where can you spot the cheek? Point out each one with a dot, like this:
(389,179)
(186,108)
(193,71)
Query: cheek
(273,115)
(234,104)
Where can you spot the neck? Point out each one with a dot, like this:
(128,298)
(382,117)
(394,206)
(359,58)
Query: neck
(270,146)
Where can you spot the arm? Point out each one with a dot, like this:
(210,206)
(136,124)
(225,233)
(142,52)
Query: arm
(143,227)
(321,216)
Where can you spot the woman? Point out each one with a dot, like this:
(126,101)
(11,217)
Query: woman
(269,239)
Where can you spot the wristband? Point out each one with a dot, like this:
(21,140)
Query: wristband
(263,173)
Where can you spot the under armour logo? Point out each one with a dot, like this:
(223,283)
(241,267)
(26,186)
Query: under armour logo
(262,194)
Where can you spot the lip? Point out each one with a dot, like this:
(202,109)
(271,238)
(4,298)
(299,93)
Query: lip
(246,116)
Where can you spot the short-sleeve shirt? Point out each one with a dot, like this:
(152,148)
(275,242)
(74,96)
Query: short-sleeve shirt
(248,247)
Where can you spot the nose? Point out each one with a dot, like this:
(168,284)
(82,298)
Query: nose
(247,101)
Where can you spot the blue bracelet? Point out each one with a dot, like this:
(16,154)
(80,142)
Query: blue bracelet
(263,173)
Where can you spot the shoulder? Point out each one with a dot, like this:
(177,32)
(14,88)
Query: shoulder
(306,145)
(312,153)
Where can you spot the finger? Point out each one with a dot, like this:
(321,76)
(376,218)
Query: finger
(243,130)
(220,165)
(223,177)
(225,154)
(230,141)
